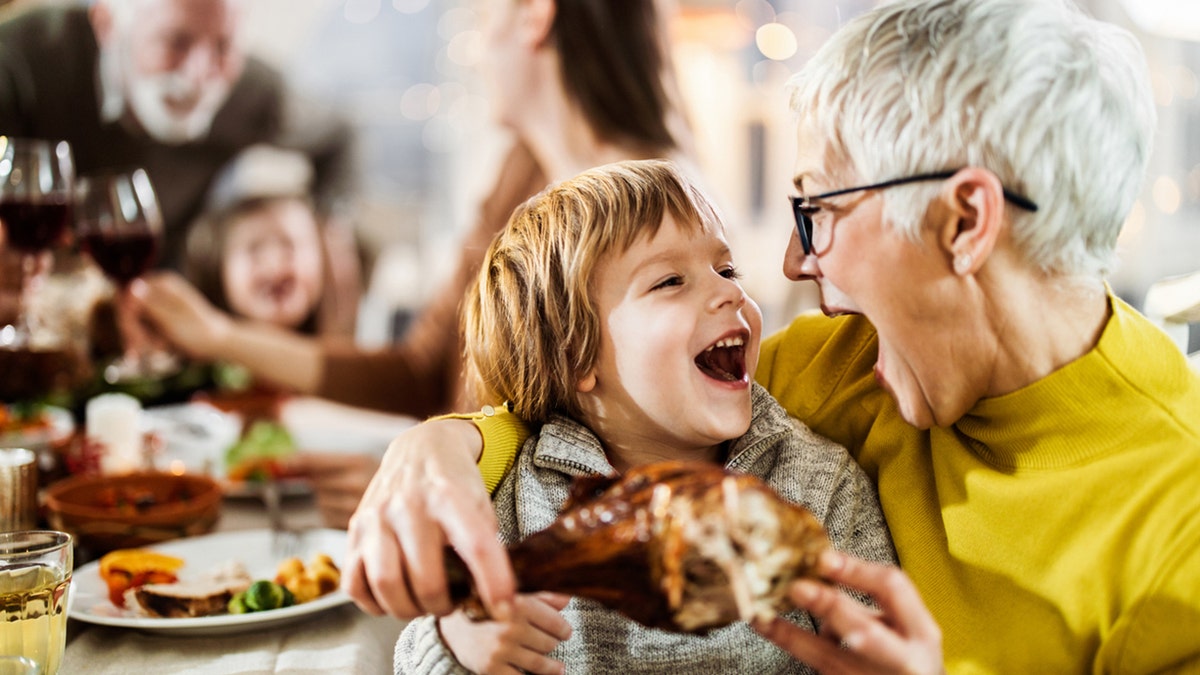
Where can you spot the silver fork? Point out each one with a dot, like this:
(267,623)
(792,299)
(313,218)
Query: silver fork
(286,542)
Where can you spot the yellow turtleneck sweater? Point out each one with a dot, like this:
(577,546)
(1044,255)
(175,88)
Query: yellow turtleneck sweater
(1055,529)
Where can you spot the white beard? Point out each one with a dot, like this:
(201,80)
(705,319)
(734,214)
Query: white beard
(145,98)
(148,96)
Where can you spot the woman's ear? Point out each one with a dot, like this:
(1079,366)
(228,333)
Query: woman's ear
(537,19)
(973,218)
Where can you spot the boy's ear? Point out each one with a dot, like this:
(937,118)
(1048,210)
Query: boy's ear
(971,220)
(586,383)
(537,18)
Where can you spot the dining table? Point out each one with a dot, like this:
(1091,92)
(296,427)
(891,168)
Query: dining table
(337,639)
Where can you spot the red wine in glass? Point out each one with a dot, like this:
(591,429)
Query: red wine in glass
(119,225)
(125,257)
(34,226)
(36,180)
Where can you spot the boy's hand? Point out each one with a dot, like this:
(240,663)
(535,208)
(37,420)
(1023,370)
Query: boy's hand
(514,646)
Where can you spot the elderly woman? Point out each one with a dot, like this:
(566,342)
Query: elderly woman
(964,168)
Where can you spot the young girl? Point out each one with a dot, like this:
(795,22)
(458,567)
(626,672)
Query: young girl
(261,258)
(609,313)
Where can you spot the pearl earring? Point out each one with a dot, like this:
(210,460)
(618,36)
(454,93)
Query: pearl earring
(962,263)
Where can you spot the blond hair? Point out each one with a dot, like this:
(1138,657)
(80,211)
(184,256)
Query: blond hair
(531,325)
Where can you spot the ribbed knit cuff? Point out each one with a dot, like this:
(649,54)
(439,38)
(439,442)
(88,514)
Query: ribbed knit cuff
(420,650)
(503,435)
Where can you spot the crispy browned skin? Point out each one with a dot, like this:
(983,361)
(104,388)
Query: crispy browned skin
(683,546)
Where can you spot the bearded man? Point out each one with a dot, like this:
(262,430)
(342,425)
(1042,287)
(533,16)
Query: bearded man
(161,84)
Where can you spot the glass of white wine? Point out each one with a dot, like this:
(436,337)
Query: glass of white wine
(35,575)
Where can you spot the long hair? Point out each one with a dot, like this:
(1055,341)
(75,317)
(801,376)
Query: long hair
(613,64)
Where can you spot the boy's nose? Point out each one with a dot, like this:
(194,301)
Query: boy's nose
(728,292)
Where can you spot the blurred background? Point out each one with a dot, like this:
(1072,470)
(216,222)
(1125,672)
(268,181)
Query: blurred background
(404,71)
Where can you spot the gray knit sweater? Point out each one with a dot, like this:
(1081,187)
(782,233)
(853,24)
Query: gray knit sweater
(801,466)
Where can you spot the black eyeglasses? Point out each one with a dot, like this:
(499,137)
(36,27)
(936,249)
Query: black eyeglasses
(804,210)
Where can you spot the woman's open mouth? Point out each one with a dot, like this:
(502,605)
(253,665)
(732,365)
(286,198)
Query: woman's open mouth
(725,359)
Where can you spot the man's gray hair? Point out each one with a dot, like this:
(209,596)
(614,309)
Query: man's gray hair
(1056,104)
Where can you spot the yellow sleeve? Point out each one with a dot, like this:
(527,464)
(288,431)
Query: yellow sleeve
(821,370)
(503,435)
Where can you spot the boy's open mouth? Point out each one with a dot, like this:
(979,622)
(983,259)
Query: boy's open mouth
(725,359)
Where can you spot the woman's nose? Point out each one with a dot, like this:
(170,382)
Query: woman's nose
(798,265)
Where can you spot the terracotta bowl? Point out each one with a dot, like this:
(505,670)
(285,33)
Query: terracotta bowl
(105,513)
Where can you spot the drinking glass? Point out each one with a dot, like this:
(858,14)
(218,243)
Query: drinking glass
(119,225)
(35,197)
(35,576)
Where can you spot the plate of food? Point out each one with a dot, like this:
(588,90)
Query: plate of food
(192,437)
(229,582)
(26,426)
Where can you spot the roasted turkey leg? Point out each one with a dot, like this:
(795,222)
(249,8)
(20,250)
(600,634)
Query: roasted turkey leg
(683,546)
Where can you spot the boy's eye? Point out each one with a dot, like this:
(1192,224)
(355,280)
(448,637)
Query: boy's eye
(669,281)
(730,272)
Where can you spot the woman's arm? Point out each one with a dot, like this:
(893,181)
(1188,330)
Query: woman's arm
(190,323)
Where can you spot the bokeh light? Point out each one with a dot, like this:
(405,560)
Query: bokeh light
(754,13)
(455,21)
(1135,224)
(465,48)
(1167,196)
(409,6)
(420,101)
(776,41)
(361,11)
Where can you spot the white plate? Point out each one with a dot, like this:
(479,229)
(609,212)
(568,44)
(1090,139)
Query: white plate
(89,594)
(61,425)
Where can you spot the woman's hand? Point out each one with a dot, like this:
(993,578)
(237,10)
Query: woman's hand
(518,645)
(180,313)
(900,637)
(427,494)
(338,479)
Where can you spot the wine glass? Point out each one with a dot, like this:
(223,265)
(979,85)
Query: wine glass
(119,225)
(35,206)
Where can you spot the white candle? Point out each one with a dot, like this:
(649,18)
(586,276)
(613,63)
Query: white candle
(114,421)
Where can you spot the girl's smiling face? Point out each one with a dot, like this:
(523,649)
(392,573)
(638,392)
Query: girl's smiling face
(679,346)
(272,267)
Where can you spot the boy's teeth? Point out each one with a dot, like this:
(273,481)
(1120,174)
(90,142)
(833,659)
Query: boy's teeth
(727,342)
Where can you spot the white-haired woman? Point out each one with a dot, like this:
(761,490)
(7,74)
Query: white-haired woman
(964,168)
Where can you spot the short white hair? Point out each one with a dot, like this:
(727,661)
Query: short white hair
(1056,104)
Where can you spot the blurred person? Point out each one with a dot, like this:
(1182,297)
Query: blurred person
(260,258)
(260,251)
(964,169)
(563,121)
(579,83)
(165,85)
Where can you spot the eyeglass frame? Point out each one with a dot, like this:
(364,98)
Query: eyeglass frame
(804,222)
